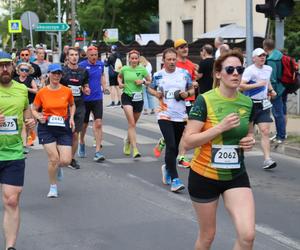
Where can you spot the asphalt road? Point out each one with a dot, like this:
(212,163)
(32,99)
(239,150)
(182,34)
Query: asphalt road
(122,204)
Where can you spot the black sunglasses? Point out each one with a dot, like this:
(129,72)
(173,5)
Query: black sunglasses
(57,72)
(24,70)
(230,69)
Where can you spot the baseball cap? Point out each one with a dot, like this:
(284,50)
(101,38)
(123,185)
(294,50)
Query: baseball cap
(29,46)
(5,57)
(179,42)
(54,67)
(258,52)
(114,47)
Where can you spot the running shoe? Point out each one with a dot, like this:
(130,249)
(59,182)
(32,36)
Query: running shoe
(159,147)
(111,105)
(53,192)
(136,153)
(81,150)
(26,150)
(126,147)
(74,164)
(183,162)
(166,178)
(269,164)
(60,174)
(176,185)
(99,157)
(273,138)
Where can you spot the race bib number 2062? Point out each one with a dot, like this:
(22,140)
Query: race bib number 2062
(226,156)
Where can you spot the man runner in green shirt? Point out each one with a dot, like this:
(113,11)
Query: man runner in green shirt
(14,109)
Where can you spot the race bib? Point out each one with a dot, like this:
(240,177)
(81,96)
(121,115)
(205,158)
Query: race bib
(137,96)
(188,104)
(10,126)
(57,121)
(266,104)
(169,94)
(76,90)
(226,156)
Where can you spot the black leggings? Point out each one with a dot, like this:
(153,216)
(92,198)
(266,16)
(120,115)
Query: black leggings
(172,132)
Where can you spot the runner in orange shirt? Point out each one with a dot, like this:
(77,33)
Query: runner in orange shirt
(55,125)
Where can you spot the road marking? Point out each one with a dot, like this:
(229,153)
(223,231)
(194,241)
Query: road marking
(274,234)
(128,160)
(89,141)
(121,133)
(278,236)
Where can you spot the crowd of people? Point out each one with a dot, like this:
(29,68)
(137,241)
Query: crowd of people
(211,107)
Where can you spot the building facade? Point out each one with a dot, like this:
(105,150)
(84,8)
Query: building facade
(190,18)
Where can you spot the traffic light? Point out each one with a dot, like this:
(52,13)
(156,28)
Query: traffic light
(276,8)
(268,8)
(284,8)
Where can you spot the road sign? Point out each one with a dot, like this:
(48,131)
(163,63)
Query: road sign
(52,27)
(29,20)
(14,26)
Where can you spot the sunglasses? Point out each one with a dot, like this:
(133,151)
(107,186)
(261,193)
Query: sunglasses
(24,54)
(230,69)
(183,46)
(24,70)
(58,72)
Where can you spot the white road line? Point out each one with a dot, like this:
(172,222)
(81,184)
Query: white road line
(89,141)
(278,236)
(132,160)
(274,234)
(121,133)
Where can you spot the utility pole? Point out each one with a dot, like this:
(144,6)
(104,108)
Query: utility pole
(59,21)
(73,15)
(279,33)
(249,31)
(11,18)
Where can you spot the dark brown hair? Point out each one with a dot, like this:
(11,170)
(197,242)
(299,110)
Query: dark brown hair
(169,50)
(218,65)
(269,44)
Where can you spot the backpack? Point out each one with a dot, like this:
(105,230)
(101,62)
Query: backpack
(290,77)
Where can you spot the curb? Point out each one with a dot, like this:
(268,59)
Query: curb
(286,150)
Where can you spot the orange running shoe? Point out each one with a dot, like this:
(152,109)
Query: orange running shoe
(159,147)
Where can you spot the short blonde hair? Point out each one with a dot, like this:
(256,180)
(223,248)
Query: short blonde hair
(28,65)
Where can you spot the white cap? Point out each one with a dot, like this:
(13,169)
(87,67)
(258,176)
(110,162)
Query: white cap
(76,44)
(258,52)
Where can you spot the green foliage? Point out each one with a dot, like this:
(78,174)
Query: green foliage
(292,44)
(292,23)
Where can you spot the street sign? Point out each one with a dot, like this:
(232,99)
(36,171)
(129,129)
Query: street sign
(29,20)
(52,27)
(14,26)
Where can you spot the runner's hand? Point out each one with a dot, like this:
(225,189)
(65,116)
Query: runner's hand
(72,124)
(2,119)
(139,82)
(29,123)
(121,85)
(86,90)
(41,118)
(247,143)
(230,121)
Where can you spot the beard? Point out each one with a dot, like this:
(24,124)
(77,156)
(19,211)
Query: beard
(5,78)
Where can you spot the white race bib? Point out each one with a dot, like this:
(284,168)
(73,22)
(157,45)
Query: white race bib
(226,156)
(137,96)
(10,126)
(76,90)
(266,104)
(57,121)
(169,94)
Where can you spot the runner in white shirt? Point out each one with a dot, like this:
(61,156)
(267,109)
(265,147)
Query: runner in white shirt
(171,86)
(256,84)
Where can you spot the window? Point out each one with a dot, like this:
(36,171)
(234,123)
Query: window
(169,30)
(188,30)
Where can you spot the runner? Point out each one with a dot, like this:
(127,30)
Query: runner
(55,127)
(131,78)
(220,130)
(76,78)
(183,62)
(171,86)
(23,71)
(14,108)
(256,84)
(94,101)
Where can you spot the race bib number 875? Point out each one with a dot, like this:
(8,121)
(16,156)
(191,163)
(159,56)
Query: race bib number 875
(226,156)
(10,126)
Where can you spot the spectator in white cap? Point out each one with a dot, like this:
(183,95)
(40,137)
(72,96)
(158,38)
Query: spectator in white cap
(257,85)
